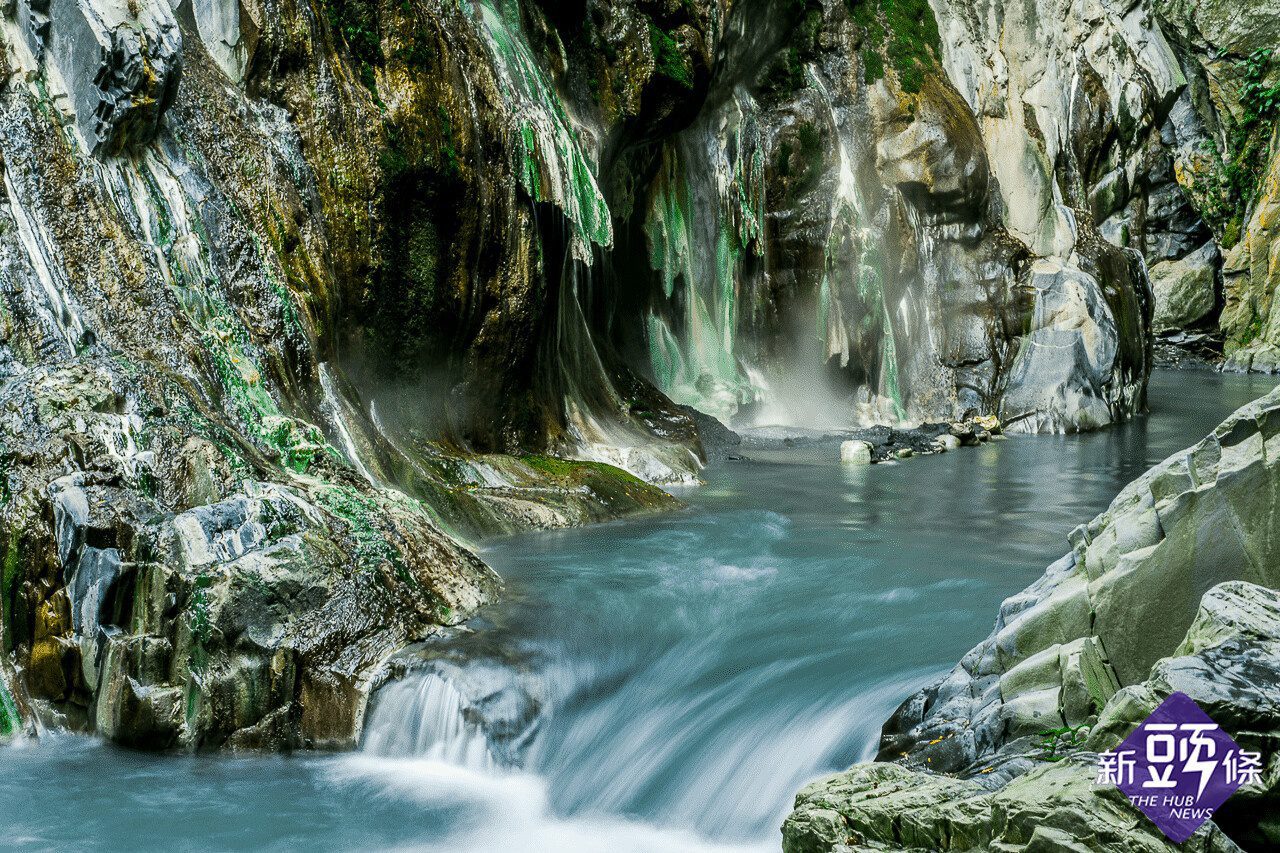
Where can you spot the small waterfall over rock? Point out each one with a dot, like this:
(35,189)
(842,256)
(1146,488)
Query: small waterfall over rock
(480,714)
(427,717)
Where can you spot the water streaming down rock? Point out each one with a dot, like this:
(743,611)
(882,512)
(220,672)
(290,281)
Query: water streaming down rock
(478,714)
(849,258)
(555,169)
(426,718)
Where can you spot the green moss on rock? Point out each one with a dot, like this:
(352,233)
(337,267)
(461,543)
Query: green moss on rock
(668,60)
(10,719)
(898,34)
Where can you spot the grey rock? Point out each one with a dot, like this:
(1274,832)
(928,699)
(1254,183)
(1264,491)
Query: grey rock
(119,61)
(1093,623)
(1228,663)
(1184,289)
(1062,377)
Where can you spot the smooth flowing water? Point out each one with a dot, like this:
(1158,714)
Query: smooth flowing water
(664,684)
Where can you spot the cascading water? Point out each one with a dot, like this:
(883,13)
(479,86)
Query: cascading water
(556,168)
(427,717)
(670,686)
(335,406)
(706,211)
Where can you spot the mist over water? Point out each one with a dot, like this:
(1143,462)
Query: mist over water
(654,685)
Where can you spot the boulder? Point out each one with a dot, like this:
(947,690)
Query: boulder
(256,618)
(1094,623)
(855,453)
(1184,289)
(1061,379)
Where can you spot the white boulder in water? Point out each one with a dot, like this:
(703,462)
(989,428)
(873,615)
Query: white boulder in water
(947,442)
(855,453)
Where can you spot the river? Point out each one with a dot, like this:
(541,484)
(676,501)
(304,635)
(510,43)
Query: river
(661,684)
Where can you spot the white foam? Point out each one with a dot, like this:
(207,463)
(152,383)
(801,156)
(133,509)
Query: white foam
(511,811)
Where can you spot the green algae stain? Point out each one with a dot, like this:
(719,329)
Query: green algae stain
(694,358)
(553,166)
(8,581)
(10,719)
(360,513)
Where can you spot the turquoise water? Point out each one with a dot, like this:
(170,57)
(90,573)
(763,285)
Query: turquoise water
(660,684)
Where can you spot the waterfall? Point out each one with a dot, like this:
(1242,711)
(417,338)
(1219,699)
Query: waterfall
(706,213)
(481,714)
(849,232)
(426,717)
(597,420)
(335,408)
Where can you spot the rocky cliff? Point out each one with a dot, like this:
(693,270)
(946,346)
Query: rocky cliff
(297,294)
(1172,588)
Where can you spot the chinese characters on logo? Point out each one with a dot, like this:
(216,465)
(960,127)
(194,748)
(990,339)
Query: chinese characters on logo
(1178,767)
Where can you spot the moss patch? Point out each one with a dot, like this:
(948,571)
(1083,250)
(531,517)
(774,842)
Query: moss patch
(786,73)
(10,720)
(898,34)
(616,489)
(362,516)
(1229,190)
(668,59)
(356,23)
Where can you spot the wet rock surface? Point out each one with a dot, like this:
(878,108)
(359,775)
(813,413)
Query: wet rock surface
(255,620)
(243,217)
(882,443)
(119,63)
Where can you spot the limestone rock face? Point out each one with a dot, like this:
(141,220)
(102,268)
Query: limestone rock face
(118,61)
(229,30)
(1251,275)
(1226,50)
(1068,374)
(1228,664)
(1074,112)
(258,619)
